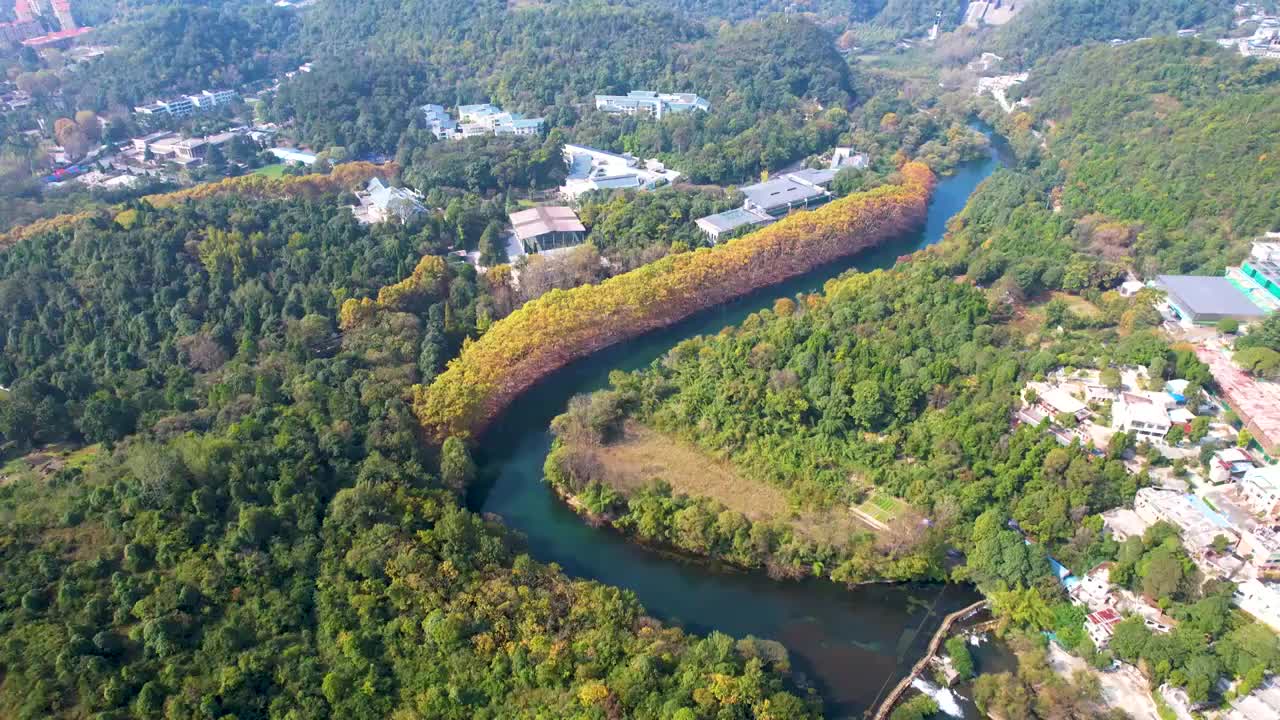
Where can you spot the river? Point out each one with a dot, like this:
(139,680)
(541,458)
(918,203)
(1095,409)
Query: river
(851,645)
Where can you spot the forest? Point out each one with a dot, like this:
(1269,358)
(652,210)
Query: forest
(764,78)
(169,48)
(258,531)
(1158,159)
(1043,28)
(251,419)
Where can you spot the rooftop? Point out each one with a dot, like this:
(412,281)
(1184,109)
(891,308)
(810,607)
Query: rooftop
(781,191)
(1203,295)
(1106,617)
(1061,401)
(542,220)
(730,220)
(817,177)
(1267,478)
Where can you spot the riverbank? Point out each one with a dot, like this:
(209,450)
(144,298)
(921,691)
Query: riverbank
(560,327)
(660,491)
(852,644)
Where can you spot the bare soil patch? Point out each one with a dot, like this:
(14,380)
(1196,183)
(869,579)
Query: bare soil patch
(643,455)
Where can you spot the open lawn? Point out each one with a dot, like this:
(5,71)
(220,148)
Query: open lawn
(644,455)
(271,171)
(1078,305)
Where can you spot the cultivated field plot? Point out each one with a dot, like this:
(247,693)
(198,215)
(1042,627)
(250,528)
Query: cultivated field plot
(880,509)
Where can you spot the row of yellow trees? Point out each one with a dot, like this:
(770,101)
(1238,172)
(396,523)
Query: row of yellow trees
(343,177)
(562,326)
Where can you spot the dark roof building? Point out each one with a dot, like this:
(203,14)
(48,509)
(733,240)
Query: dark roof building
(1201,299)
(779,196)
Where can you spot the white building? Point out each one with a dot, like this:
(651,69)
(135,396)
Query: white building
(1198,526)
(439,122)
(1229,464)
(187,104)
(766,201)
(381,203)
(644,102)
(293,155)
(845,157)
(591,169)
(486,119)
(1142,415)
(1101,626)
(1260,489)
(1259,600)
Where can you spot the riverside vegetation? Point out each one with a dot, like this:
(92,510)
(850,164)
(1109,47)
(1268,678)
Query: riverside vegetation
(548,333)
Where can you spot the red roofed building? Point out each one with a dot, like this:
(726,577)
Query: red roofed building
(60,37)
(1101,626)
(62,11)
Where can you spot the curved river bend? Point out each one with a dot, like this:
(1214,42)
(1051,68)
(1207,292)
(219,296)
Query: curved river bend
(852,645)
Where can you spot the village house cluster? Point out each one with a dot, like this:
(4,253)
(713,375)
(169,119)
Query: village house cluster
(1227,514)
(1079,405)
(1265,40)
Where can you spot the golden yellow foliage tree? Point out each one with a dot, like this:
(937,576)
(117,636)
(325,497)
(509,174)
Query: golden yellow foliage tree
(564,325)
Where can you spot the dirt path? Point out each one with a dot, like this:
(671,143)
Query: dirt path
(1124,688)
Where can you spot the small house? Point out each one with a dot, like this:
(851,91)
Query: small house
(1260,490)
(380,203)
(1101,625)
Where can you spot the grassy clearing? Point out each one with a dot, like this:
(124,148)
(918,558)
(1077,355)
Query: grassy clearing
(48,460)
(271,171)
(644,455)
(1078,305)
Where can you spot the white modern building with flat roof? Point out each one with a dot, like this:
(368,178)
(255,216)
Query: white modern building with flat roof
(769,200)
(591,169)
(1260,489)
(487,119)
(184,105)
(439,122)
(645,102)
(1142,415)
(293,155)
